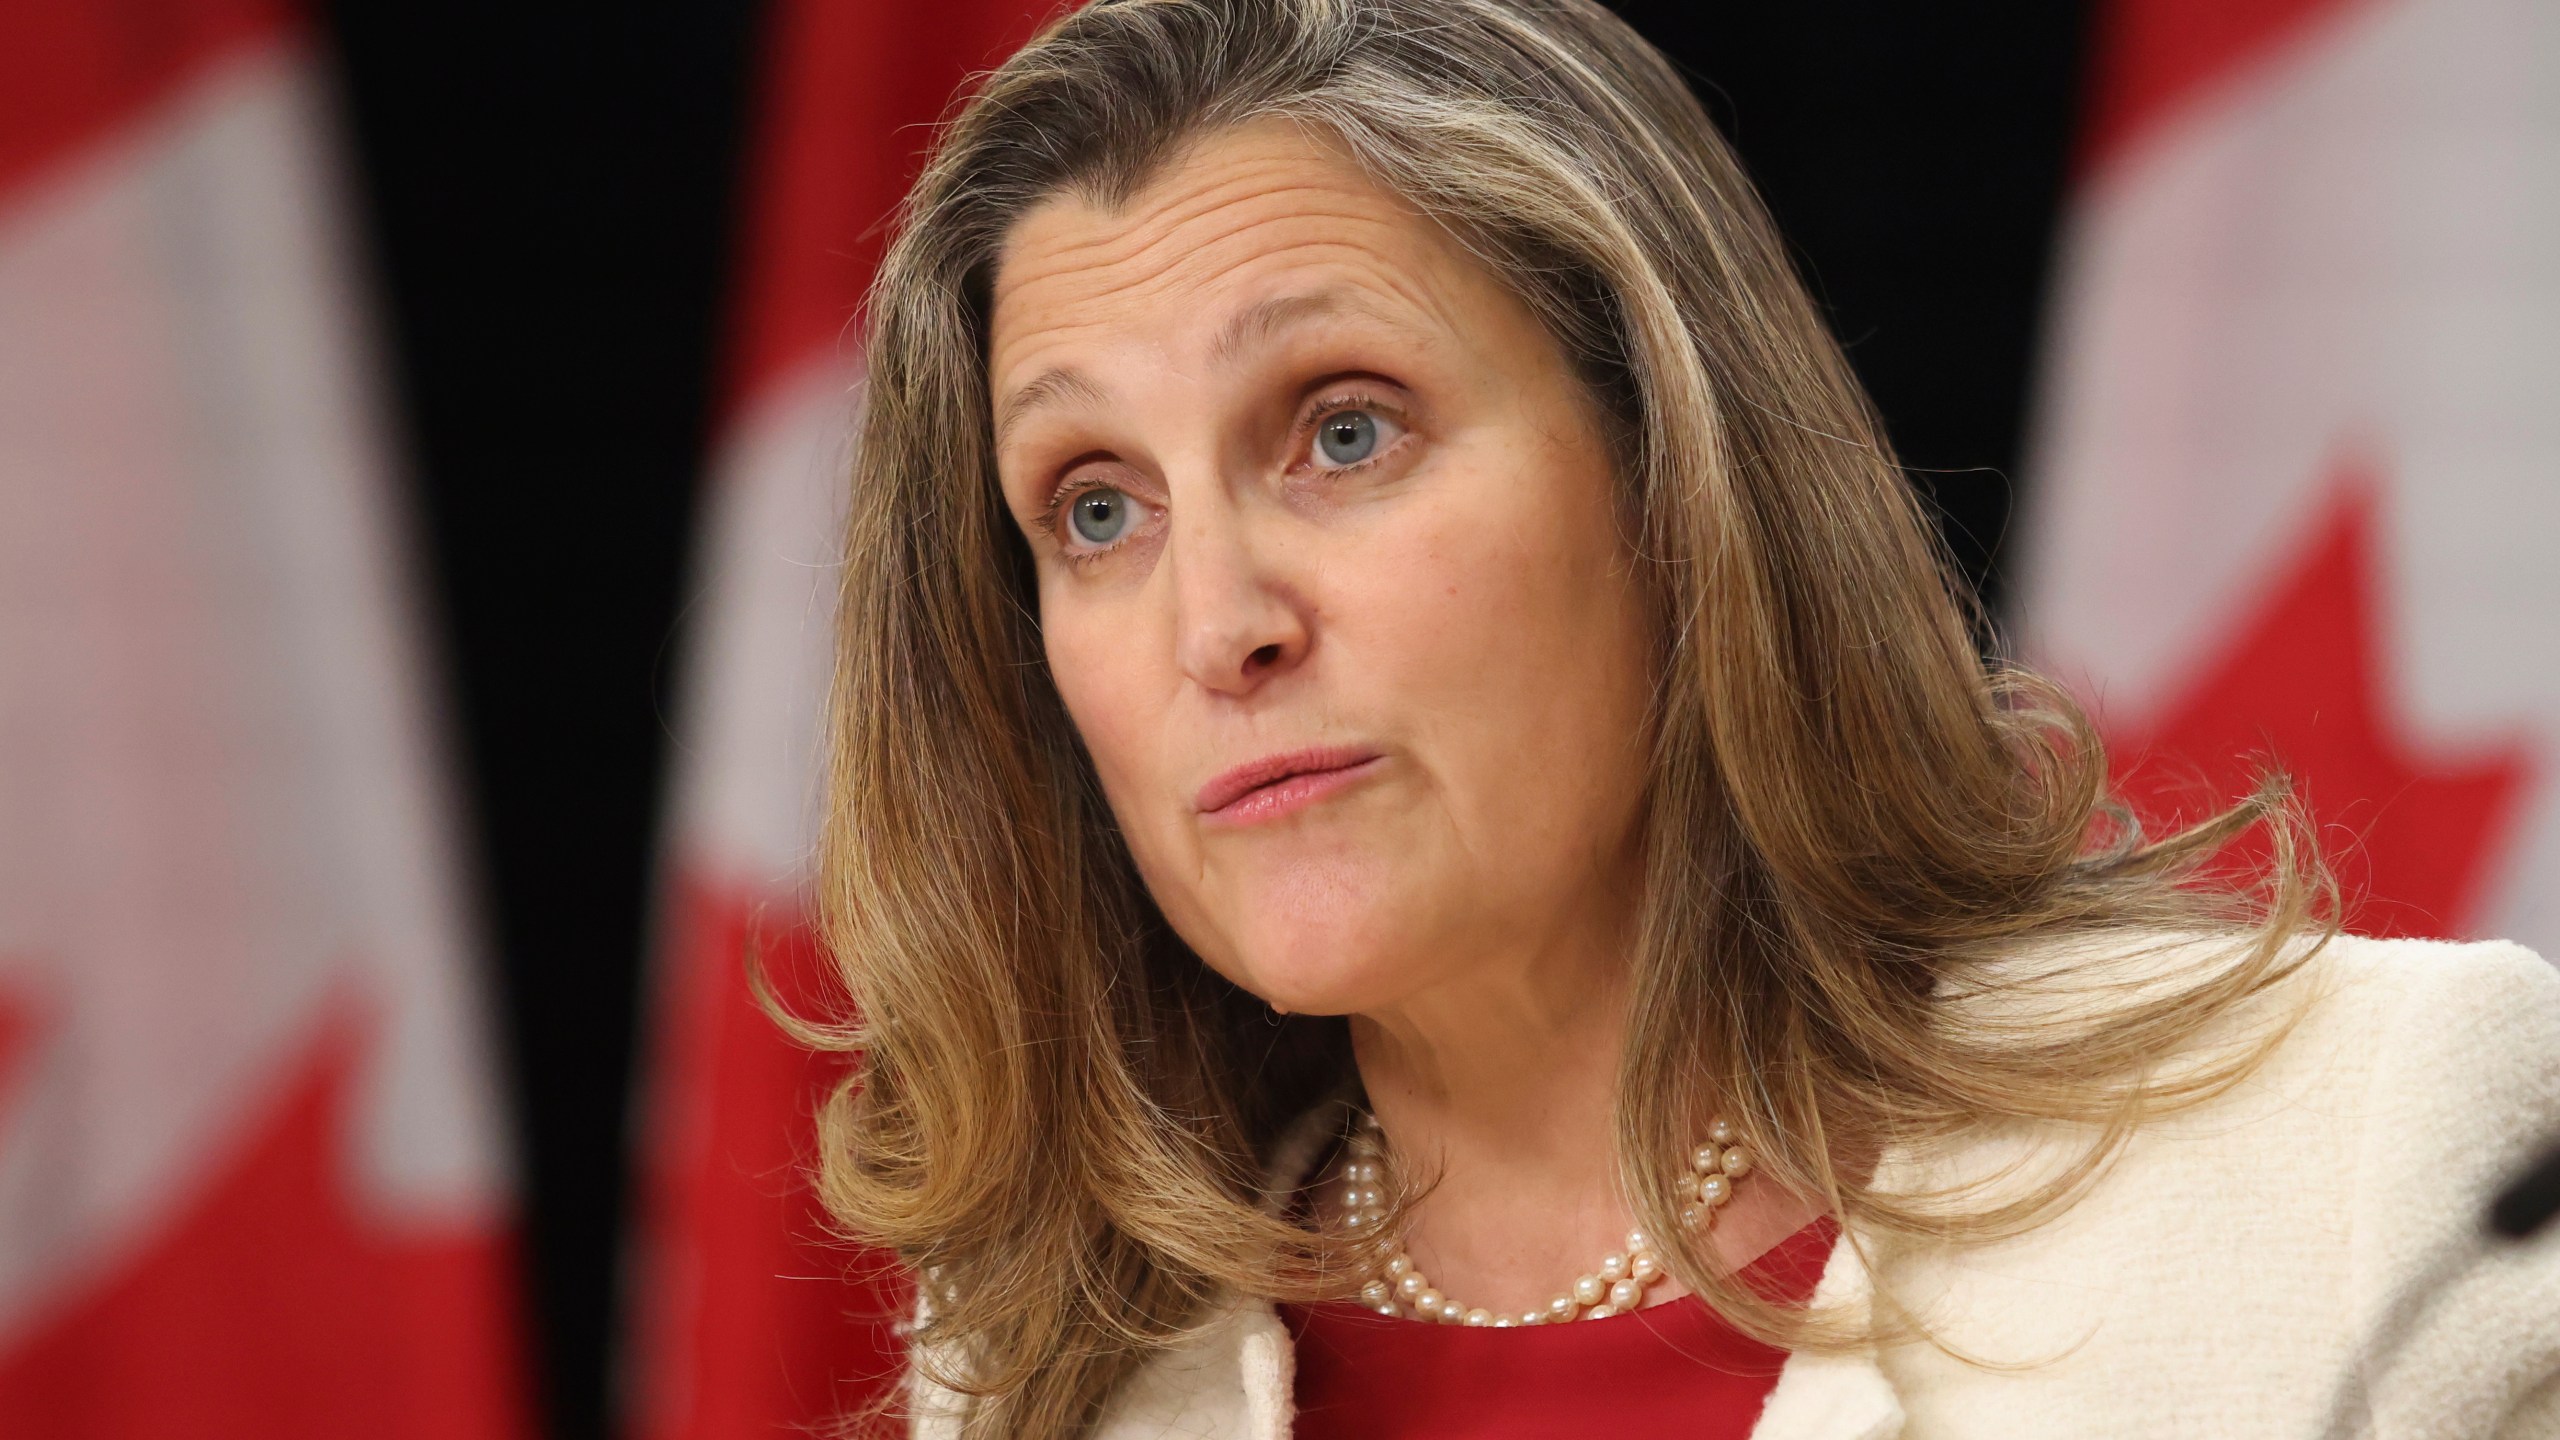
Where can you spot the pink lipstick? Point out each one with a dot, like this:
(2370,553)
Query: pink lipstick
(1278,785)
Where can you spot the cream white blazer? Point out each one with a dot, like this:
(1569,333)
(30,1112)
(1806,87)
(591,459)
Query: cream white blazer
(2216,1282)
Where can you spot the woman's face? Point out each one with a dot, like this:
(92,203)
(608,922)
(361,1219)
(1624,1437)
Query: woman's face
(1329,574)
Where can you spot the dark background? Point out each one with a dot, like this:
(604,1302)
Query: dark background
(548,187)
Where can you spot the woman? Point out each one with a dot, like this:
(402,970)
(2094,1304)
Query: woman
(1402,746)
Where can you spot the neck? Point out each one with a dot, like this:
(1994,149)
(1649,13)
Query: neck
(1497,1098)
(1502,1073)
(1497,1095)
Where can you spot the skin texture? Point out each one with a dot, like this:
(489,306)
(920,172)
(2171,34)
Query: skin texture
(1459,605)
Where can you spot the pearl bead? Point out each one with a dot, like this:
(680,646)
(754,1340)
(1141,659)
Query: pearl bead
(1616,1287)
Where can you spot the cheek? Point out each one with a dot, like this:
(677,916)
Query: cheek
(1108,696)
(1121,695)
(1118,686)
(1515,636)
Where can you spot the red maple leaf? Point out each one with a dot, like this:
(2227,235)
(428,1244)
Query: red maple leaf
(2411,834)
(271,1306)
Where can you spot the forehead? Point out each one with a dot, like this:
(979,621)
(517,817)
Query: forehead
(1244,217)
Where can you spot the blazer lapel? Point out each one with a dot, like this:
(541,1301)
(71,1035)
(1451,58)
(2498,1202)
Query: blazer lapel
(1834,1397)
(1830,1397)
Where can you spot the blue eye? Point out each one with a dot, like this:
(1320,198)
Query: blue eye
(1100,516)
(1347,437)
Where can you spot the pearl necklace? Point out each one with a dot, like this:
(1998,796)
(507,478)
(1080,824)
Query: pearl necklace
(1616,1287)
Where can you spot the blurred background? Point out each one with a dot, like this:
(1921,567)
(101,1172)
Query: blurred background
(418,432)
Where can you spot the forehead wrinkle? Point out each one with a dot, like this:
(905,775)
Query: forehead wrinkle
(1073,251)
(1347,279)
(1253,186)
(1159,245)
(1222,172)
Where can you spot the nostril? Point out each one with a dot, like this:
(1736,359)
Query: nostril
(1263,657)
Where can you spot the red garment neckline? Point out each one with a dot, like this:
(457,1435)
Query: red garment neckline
(1678,1367)
(1786,1272)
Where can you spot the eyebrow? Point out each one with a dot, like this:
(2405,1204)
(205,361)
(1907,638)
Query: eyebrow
(1050,387)
(1254,325)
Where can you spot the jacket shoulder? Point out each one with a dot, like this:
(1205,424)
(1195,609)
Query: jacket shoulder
(2460,1038)
(2445,976)
(2462,1091)
(2251,1242)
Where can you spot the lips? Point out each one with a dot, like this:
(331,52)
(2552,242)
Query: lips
(1278,783)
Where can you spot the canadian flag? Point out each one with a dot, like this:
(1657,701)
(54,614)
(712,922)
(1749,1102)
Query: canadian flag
(749,1320)
(251,1178)
(2296,493)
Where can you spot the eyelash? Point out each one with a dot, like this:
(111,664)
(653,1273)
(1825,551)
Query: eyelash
(1300,434)
(1057,506)
(1323,410)
(1059,500)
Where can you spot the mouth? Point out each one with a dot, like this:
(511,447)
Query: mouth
(1277,785)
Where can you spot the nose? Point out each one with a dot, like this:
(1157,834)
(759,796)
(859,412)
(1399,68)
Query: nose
(1237,621)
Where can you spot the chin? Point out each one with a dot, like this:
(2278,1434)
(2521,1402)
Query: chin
(1313,925)
(1338,960)
(1326,985)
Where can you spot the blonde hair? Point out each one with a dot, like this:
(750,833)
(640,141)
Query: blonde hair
(1062,1117)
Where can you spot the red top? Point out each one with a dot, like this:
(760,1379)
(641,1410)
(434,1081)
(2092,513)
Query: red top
(1671,1369)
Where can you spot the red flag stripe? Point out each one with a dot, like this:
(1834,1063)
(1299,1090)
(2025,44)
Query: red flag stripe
(72,71)
(762,1322)
(274,1302)
(755,1321)
(2156,57)
(853,91)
